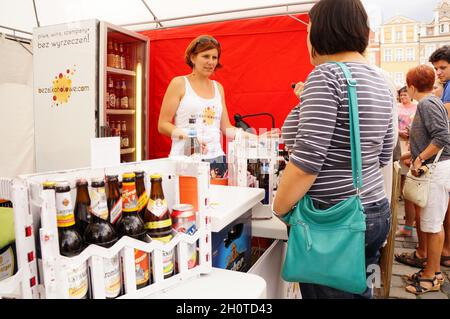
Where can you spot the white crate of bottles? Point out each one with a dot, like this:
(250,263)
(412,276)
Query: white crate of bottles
(22,284)
(245,151)
(55,280)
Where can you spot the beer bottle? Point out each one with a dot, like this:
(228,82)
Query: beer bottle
(141,193)
(111,55)
(114,199)
(100,232)
(70,241)
(158,222)
(133,226)
(122,56)
(82,205)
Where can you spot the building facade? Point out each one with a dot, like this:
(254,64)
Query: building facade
(404,43)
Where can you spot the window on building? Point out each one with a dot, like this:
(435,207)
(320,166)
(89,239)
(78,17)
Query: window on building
(387,55)
(410,54)
(399,78)
(398,36)
(442,28)
(429,50)
(399,55)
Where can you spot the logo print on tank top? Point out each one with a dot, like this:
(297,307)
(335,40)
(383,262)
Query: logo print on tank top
(209,115)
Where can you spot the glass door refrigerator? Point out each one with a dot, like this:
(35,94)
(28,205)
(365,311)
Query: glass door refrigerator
(90,81)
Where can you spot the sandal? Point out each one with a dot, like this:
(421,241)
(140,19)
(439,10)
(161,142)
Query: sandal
(417,289)
(412,278)
(405,231)
(410,259)
(445,261)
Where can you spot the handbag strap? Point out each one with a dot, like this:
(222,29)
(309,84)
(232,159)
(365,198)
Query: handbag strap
(355,142)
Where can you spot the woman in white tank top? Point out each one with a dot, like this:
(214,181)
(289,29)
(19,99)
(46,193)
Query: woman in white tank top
(195,95)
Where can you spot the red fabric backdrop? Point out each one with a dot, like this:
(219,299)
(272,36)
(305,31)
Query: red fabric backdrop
(260,57)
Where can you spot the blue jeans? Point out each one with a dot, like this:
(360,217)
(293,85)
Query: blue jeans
(378,224)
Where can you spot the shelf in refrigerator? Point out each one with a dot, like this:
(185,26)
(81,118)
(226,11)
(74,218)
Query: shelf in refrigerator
(127,150)
(121,112)
(120,71)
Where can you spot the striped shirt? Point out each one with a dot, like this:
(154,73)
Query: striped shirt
(317,131)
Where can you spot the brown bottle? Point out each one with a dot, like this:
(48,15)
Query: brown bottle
(133,226)
(100,232)
(70,241)
(82,205)
(141,193)
(111,55)
(114,199)
(157,216)
(158,222)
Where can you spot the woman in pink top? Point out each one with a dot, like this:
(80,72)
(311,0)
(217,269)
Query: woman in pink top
(406,112)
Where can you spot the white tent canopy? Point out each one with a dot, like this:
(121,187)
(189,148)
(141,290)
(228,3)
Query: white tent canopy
(24,15)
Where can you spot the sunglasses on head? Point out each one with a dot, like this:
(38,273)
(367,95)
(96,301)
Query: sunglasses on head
(204,40)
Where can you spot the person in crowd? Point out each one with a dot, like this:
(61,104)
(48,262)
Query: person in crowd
(406,111)
(320,162)
(441,62)
(196,95)
(429,134)
(438,88)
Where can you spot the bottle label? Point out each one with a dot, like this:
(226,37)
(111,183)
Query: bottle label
(78,281)
(168,263)
(129,197)
(142,266)
(98,202)
(110,59)
(64,210)
(112,276)
(158,224)
(142,201)
(7,264)
(112,100)
(124,102)
(116,211)
(157,207)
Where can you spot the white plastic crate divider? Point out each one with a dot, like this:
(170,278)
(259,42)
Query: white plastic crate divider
(23,284)
(241,150)
(55,283)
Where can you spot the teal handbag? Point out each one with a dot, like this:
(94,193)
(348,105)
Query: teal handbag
(327,247)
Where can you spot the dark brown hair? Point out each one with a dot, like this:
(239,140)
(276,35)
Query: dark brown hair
(338,26)
(442,53)
(200,44)
(422,77)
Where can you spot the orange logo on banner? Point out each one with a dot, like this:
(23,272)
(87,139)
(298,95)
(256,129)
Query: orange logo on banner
(62,87)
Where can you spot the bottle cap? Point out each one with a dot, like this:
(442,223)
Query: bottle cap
(81,181)
(139,173)
(97,181)
(128,175)
(155,176)
(49,184)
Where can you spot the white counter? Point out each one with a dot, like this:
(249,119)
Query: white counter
(269,228)
(219,284)
(227,203)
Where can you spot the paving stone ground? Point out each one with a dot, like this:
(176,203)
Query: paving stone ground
(399,271)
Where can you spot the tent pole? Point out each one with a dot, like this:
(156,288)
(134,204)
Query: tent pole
(225,12)
(151,12)
(35,14)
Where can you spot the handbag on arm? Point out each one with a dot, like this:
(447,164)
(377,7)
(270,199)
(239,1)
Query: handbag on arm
(327,247)
(416,188)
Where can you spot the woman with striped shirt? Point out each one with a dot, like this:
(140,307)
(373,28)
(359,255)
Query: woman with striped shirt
(320,162)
